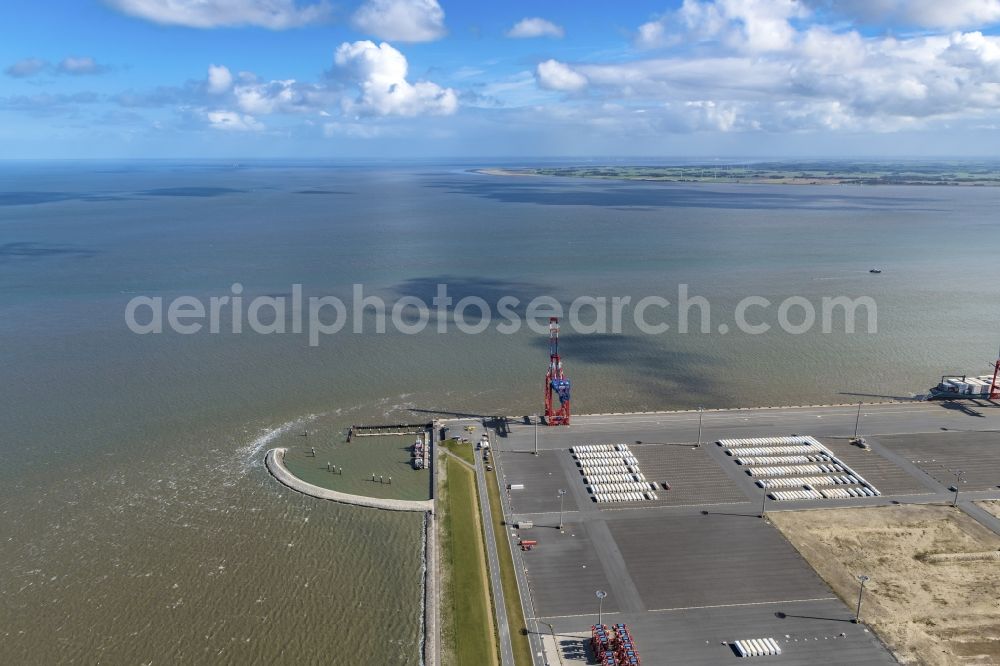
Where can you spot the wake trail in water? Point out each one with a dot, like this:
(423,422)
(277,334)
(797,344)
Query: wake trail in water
(249,455)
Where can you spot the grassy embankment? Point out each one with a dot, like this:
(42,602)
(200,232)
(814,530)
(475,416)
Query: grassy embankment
(468,635)
(512,599)
(463,451)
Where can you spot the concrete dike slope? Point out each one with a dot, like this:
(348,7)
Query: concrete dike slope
(276,465)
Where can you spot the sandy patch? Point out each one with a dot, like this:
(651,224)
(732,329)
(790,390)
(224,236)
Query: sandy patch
(928,603)
(993,506)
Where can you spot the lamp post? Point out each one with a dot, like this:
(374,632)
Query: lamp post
(763,499)
(535,418)
(600,607)
(857,614)
(857,422)
(562,493)
(701,413)
(959,478)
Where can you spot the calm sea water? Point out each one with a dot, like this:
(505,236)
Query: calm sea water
(138,523)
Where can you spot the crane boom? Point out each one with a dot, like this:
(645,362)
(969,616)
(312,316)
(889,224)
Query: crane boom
(556,382)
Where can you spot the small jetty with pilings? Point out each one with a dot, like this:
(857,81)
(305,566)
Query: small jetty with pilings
(420,451)
(392,429)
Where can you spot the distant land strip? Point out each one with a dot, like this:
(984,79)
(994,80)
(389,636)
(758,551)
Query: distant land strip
(968,174)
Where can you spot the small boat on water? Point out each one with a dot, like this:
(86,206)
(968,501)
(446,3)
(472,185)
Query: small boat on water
(876,271)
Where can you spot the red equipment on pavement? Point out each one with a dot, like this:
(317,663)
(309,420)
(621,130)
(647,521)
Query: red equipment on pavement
(614,647)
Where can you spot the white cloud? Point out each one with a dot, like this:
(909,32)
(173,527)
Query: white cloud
(260,98)
(75,66)
(555,75)
(273,14)
(775,68)
(26,67)
(708,114)
(287,96)
(220,79)
(78,66)
(264,98)
(946,14)
(651,35)
(401,20)
(754,26)
(535,27)
(380,73)
(232,121)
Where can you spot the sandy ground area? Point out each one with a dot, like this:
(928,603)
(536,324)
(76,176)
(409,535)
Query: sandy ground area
(993,506)
(934,594)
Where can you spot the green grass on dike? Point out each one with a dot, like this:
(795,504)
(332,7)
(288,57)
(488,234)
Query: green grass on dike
(464,451)
(512,599)
(468,631)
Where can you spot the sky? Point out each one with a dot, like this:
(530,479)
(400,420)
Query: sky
(392,79)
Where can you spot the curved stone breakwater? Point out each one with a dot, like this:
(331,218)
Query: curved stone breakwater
(276,465)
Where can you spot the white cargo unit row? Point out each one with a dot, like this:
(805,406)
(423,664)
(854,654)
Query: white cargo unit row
(767,441)
(801,450)
(591,447)
(609,461)
(848,493)
(616,462)
(625,496)
(606,459)
(608,469)
(600,480)
(757,647)
(782,495)
(784,460)
(620,487)
(764,463)
(793,481)
(606,455)
(601,462)
(613,478)
(587,448)
(795,469)
(611,473)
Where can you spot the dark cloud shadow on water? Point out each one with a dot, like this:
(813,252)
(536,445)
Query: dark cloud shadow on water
(652,196)
(35,197)
(29,198)
(661,373)
(25,250)
(318,191)
(191,192)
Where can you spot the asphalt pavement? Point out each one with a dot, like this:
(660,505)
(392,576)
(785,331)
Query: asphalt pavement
(664,563)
